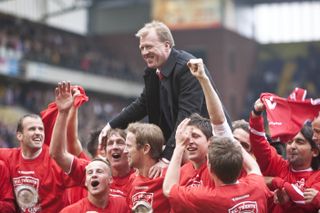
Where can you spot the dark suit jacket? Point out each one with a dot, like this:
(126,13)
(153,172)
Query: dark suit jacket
(183,94)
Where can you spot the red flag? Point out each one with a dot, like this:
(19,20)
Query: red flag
(287,116)
(298,94)
(49,115)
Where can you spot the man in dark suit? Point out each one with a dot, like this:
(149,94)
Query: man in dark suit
(171,92)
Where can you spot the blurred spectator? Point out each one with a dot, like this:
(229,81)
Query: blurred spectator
(37,42)
(35,97)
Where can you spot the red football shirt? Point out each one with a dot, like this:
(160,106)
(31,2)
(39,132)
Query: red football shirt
(249,194)
(116,205)
(6,192)
(74,194)
(38,183)
(119,186)
(148,192)
(272,164)
(191,177)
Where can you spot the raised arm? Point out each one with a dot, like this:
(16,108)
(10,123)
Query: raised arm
(58,150)
(250,165)
(213,102)
(74,145)
(173,173)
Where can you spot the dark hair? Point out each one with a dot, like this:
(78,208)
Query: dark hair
(225,158)
(20,122)
(307,133)
(121,132)
(240,124)
(148,134)
(201,123)
(92,145)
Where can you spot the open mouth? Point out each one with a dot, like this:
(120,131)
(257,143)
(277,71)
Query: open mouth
(95,183)
(116,155)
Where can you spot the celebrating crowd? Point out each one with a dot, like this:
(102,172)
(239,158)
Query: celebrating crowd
(188,157)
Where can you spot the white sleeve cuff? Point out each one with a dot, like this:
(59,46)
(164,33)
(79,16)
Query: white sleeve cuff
(222,130)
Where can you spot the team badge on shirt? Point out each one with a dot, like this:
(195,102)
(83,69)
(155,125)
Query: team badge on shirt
(245,206)
(26,191)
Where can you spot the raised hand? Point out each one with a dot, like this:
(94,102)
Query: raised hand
(259,106)
(196,67)
(182,133)
(64,98)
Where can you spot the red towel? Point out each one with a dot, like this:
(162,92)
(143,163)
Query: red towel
(49,115)
(287,116)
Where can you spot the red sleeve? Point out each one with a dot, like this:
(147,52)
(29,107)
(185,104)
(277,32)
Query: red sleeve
(6,192)
(78,170)
(270,163)
(181,198)
(84,156)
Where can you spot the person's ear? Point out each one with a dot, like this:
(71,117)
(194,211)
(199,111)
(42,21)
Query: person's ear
(19,136)
(315,152)
(146,148)
(166,44)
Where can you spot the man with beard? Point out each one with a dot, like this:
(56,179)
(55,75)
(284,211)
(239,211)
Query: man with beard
(296,180)
(98,180)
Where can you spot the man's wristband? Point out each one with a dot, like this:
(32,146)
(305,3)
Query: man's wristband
(257,113)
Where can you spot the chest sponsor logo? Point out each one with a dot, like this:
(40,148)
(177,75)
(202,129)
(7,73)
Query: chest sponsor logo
(146,197)
(244,207)
(26,192)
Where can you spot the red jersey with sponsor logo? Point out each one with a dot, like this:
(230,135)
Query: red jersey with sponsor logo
(249,194)
(121,185)
(116,205)
(191,177)
(6,192)
(118,187)
(38,183)
(148,193)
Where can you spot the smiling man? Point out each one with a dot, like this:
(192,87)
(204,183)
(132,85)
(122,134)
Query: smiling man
(143,146)
(170,94)
(297,177)
(37,179)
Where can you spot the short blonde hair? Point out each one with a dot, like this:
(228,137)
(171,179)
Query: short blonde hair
(148,134)
(161,29)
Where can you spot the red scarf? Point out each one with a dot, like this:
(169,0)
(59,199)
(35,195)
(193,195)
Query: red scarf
(49,115)
(287,116)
